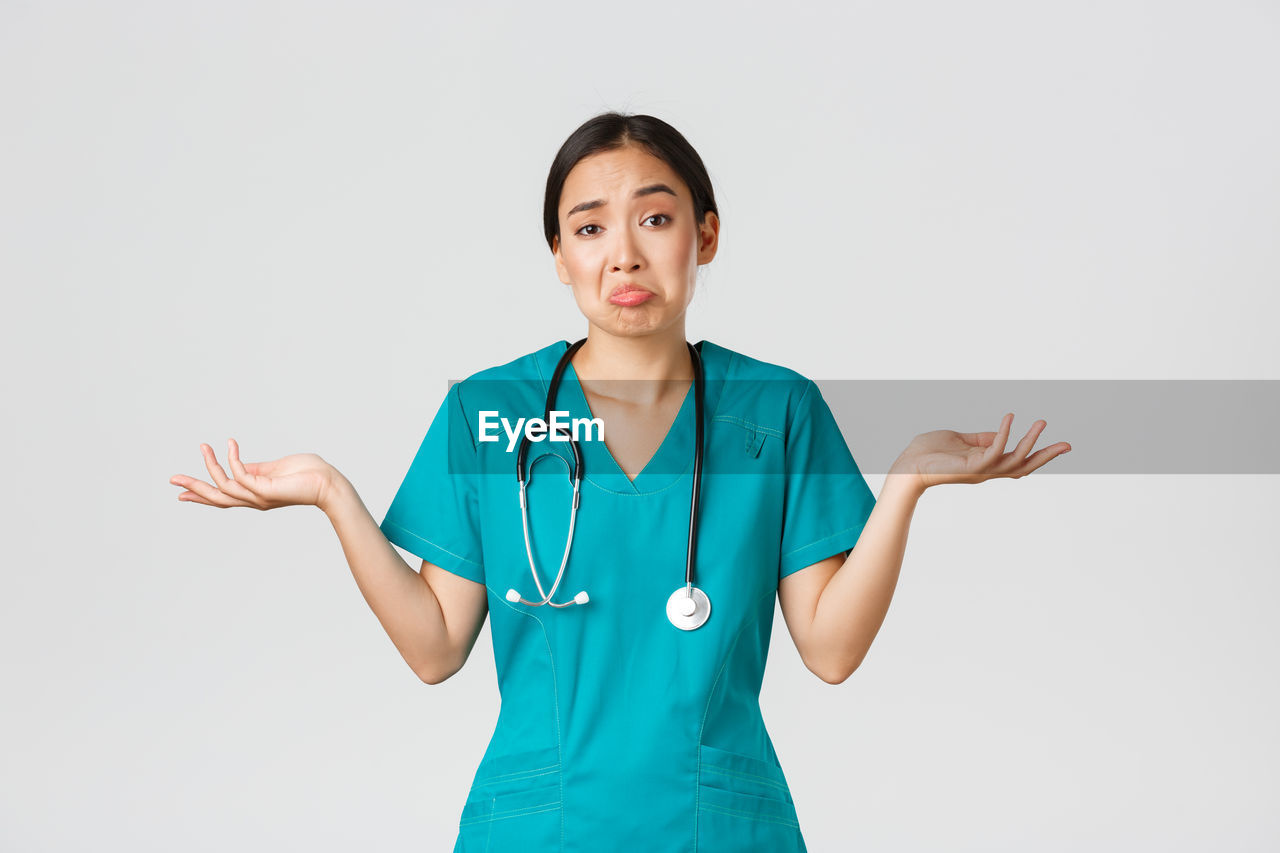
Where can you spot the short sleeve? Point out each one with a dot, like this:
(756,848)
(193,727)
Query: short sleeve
(435,513)
(826,501)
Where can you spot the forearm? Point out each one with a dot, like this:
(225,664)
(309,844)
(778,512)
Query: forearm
(398,595)
(854,602)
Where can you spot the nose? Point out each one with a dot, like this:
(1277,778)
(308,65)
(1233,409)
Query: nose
(626,252)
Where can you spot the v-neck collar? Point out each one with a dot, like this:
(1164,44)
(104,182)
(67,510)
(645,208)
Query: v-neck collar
(674,457)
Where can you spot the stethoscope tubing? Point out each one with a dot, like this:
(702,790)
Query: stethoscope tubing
(699,391)
(575,477)
(568,545)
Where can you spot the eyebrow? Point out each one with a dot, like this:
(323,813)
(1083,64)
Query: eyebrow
(599,202)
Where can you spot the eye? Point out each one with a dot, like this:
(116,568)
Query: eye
(662,216)
(585,227)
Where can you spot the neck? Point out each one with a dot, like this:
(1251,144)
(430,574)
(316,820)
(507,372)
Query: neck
(651,366)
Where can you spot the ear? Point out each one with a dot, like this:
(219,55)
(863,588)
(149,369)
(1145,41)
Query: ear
(708,238)
(561,270)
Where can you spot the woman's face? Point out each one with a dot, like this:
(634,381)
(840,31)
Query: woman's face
(626,221)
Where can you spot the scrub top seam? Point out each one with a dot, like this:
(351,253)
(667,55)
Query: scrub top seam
(667,487)
(617,468)
(734,419)
(824,539)
(413,535)
(465,423)
(545,384)
(697,788)
(807,388)
(475,454)
(555,691)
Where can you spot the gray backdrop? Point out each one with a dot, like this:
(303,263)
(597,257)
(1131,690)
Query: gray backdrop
(292,223)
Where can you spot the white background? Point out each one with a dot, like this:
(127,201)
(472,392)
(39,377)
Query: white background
(292,223)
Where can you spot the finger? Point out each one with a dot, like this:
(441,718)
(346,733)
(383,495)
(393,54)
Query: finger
(210,494)
(1019,454)
(1040,458)
(216,473)
(996,450)
(249,480)
(224,483)
(193,498)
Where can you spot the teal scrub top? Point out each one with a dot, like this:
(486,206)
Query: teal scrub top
(616,729)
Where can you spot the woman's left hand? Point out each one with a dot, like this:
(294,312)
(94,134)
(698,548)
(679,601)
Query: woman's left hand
(946,456)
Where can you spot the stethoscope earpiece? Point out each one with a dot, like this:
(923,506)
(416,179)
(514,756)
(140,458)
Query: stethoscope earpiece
(514,597)
(688,607)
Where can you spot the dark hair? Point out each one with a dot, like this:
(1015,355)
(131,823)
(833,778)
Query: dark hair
(613,130)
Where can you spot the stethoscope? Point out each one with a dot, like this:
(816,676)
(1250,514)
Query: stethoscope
(688,607)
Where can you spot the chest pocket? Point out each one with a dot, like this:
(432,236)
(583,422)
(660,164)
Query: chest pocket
(753,435)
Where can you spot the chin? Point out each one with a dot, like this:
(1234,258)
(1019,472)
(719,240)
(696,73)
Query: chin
(620,325)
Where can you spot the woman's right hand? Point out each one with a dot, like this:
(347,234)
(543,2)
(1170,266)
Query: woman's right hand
(301,479)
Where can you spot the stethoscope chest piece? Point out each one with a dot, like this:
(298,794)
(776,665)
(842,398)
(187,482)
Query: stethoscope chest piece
(688,611)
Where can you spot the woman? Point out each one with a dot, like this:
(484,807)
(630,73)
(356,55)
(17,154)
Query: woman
(630,715)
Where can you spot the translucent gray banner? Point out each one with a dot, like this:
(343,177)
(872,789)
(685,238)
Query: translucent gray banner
(1177,426)
(1115,426)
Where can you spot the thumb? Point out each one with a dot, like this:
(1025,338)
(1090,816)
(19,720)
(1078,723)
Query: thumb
(978,439)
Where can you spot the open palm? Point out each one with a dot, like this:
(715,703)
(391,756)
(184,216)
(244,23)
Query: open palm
(947,456)
(299,479)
